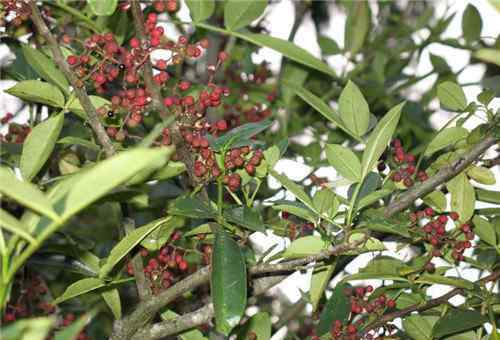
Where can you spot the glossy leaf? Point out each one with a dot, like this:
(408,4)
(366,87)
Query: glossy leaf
(357,26)
(471,23)
(240,136)
(200,9)
(246,217)
(305,246)
(103,8)
(485,230)
(228,282)
(112,299)
(191,207)
(462,197)
(126,244)
(80,287)
(39,144)
(451,96)
(12,224)
(344,161)
(39,92)
(259,325)
(294,188)
(446,138)
(240,13)
(481,175)
(379,138)
(457,320)
(45,67)
(338,307)
(353,109)
(25,193)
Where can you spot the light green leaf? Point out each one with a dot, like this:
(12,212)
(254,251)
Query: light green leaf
(107,175)
(259,325)
(10,223)
(71,140)
(38,91)
(39,144)
(354,109)
(488,55)
(74,105)
(450,281)
(437,200)
(296,208)
(371,244)
(45,67)
(462,196)
(488,196)
(471,24)
(126,244)
(200,9)
(103,7)
(485,230)
(457,320)
(344,161)
(158,237)
(294,188)
(240,136)
(26,194)
(446,138)
(481,175)
(357,26)
(319,281)
(191,207)
(326,203)
(171,169)
(419,327)
(305,246)
(373,197)
(294,73)
(28,329)
(240,13)
(228,282)
(451,96)
(379,138)
(72,331)
(272,155)
(80,287)
(112,298)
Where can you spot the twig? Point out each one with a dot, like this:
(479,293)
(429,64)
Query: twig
(78,89)
(446,173)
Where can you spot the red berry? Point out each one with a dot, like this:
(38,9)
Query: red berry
(443,219)
(135,43)
(221,125)
(391,303)
(72,60)
(454,215)
(429,211)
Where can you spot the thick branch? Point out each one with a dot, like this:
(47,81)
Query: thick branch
(78,88)
(444,174)
(428,305)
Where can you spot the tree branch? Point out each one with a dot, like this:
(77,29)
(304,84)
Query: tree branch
(78,88)
(141,281)
(421,308)
(443,175)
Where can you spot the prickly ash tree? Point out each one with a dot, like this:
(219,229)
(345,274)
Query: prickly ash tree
(130,211)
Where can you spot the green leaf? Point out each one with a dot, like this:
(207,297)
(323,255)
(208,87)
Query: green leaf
(259,325)
(246,217)
(328,46)
(158,237)
(457,320)
(10,223)
(338,307)
(353,109)
(294,188)
(481,175)
(471,24)
(191,207)
(71,140)
(305,246)
(39,144)
(437,200)
(39,92)
(171,169)
(26,194)
(485,230)
(126,244)
(228,282)
(488,196)
(357,26)
(450,281)
(103,7)
(373,197)
(488,55)
(45,67)
(200,9)
(112,299)
(272,155)
(240,13)
(379,138)
(446,138)
(107,175)
(319,281)
(193,334)
(376,221)
(73,105)
(295,208)
(325,203)
(451,96)
(371,244)
(78,288)
(28,329)
(72,331)
(344,161)
(462,196)
(320,106)
(240,136)
(419,327)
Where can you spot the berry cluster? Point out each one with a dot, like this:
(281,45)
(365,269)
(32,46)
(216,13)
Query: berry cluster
(402,165)
(17,133)
(362,306)
(432,226)
(20,9)
(297,229)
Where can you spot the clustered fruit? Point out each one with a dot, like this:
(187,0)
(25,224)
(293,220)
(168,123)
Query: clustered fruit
(432,227)
(297,229)
(16,133)
(20,9)
(402,165)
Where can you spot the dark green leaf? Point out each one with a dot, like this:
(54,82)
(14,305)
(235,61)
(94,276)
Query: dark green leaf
(246,217)
(328,46)
(259,325)
(319,281)
(357,26)
(294,188)
(228,282)
(240,13)
(471,24)
(240,134)
(338,307)
(326,203)
(488,196)
(457,321)
(191,207)
(71,140)
(450,281)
